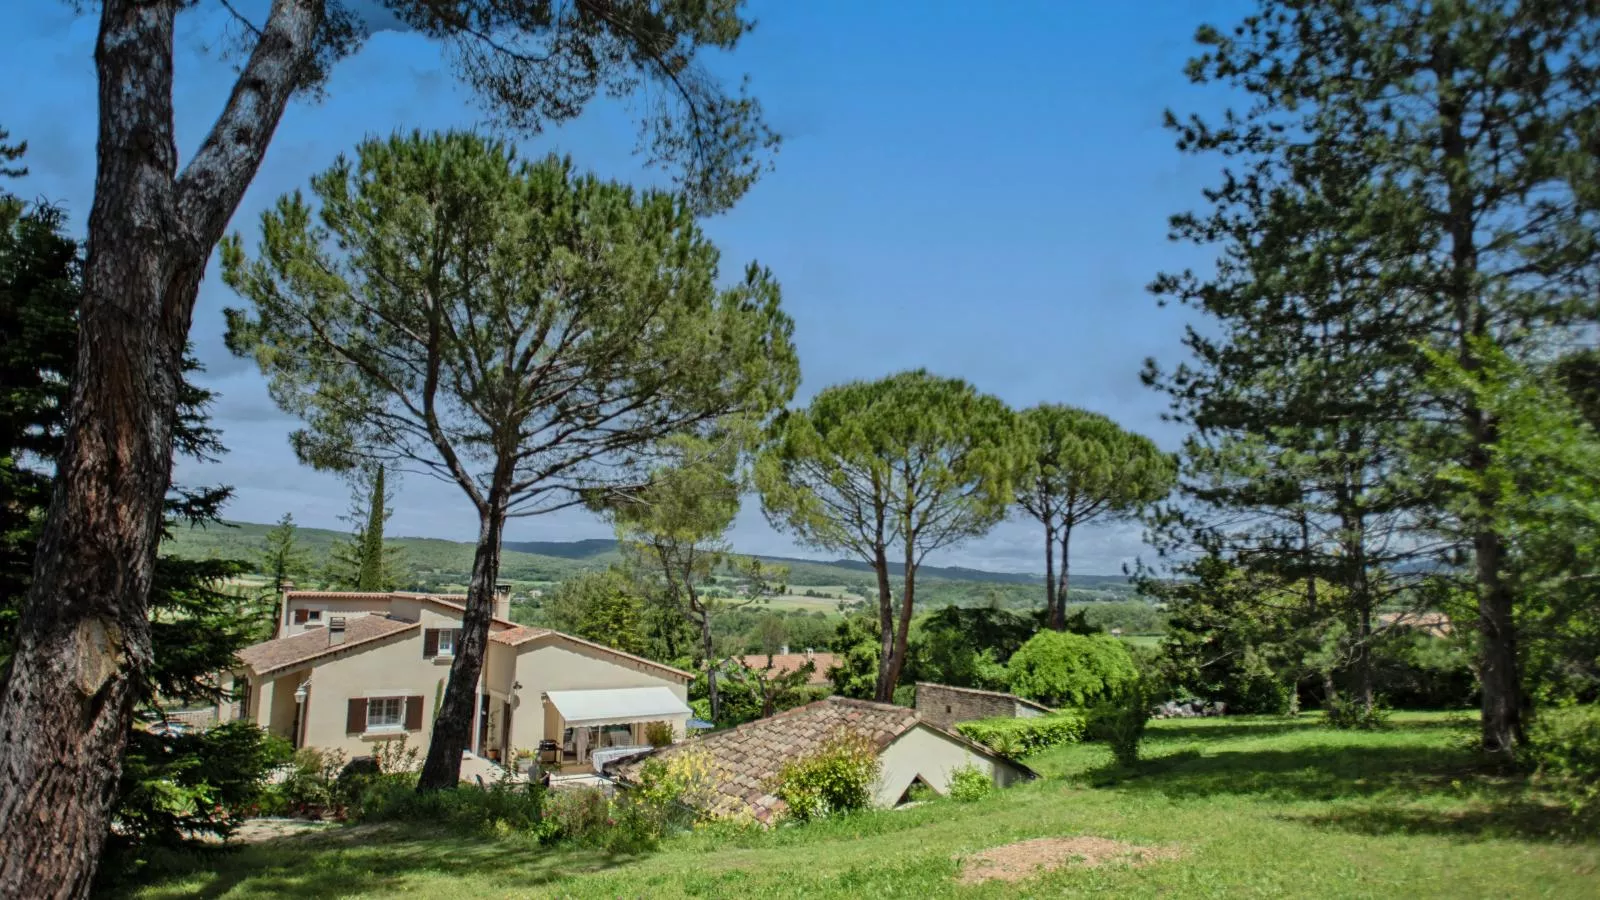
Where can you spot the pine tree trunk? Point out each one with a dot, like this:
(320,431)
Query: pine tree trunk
(711,668)
(883,691)
(452,729)
(1498,674)
(1049,574)
(902,632)
(83,638)
(1059,623)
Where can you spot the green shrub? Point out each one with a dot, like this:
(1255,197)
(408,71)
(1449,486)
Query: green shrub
(836,778)
(1120,722)
(308,790)
(503,807)
(178,786)
(1565,744)
(658,734)
(1059,668)
(1348,713)
(1016,738)
(968,784)
(578,815)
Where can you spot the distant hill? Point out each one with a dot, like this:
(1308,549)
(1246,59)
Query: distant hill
(438,564)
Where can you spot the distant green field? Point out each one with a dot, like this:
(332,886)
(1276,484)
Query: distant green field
(443,565)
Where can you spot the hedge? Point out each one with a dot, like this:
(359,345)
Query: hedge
(1021,737)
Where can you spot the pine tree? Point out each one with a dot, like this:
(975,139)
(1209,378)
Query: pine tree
(1079,467)
(283,560)
(1406,178)
(598,328)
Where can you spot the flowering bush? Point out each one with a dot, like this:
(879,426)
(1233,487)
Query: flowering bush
(836,778)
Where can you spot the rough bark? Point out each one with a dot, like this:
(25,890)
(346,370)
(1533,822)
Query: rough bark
(712,695)
(1499,679)
(902,625)
(452,728)
(83,639)
(1059,622)
(883,691)
(1049,573)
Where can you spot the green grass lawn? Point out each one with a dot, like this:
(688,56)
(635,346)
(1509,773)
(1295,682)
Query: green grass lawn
(1256,808)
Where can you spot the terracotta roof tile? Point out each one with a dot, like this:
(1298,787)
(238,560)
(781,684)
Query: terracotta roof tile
(281,653)
(784,663)
(521,634)
(747,759)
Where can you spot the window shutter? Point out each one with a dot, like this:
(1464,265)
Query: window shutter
(355,719)
(413,713)
(301,615)
(430,643)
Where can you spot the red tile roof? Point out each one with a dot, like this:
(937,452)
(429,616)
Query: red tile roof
(282,653)
(784,663)
(746,760)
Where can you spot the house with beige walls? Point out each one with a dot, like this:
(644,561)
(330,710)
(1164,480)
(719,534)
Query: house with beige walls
(349,671)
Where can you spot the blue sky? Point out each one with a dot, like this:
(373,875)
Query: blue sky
(978,188)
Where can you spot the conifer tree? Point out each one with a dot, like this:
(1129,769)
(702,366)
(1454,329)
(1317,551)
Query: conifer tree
(563,327)
(1404,178)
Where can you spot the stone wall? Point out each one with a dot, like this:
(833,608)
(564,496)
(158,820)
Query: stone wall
(942,706)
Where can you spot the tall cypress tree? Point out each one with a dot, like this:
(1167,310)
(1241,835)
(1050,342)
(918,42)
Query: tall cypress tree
(372,574)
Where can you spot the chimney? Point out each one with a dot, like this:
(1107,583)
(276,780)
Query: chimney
(502,601)
(335,630)
(810,653)
(784,650)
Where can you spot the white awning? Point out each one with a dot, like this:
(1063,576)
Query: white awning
(619,706)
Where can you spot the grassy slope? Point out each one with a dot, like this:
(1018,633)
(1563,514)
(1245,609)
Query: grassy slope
(1258,807)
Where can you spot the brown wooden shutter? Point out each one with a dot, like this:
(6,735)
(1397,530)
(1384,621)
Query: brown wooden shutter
(430,643)
(301,615)
(413,713)
(355,717)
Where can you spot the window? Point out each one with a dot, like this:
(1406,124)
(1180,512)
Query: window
(440,642)
(303,616)
(385,713)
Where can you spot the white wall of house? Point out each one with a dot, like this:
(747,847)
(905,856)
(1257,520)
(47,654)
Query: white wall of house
(926,752)
(551,664)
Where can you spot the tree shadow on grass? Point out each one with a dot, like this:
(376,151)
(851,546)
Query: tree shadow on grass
(1372,789)
(1223,729)
(343,863)
(1313,773)
(1530,817)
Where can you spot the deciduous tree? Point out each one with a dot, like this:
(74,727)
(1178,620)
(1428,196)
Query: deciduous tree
(909,464)
(523,331)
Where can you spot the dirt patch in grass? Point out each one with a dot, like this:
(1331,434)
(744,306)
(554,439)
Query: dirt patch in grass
(1025,859)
